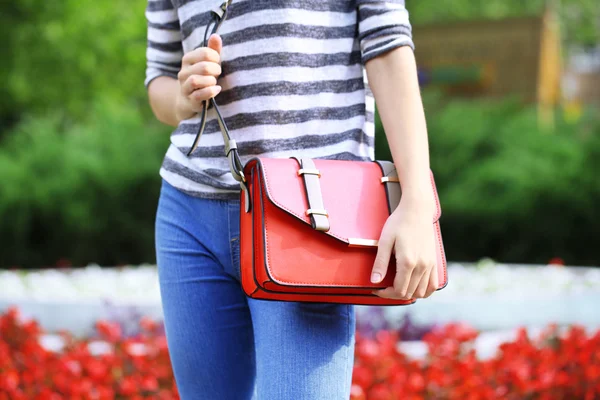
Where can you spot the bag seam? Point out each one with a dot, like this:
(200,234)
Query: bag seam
(267,196)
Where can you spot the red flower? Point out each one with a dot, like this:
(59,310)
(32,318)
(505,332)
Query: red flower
(110,331)
(556,261)
(128,387)
(47,394)
(416,382)
(148,325)
(553,366)
(363,376)
(380,392)
(149,383)
(357,393)
(104,393)
(368,350)
(9,381)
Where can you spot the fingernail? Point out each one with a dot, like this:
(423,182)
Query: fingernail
(376,277)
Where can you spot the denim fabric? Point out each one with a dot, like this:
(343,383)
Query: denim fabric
(224,345)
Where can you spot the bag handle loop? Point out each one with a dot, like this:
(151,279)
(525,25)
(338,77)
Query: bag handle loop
(236,167)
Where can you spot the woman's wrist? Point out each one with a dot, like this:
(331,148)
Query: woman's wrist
(164,94)
(182,109)
(419,198)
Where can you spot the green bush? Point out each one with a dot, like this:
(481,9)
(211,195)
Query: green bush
(87,192)
(59,56)
(84,192)
(80,175)
(510,190)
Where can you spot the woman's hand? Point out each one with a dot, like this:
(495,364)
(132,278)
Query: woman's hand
(198,78)
(408,234)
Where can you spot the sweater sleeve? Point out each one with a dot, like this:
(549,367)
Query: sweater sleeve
(383,25)
(164,49)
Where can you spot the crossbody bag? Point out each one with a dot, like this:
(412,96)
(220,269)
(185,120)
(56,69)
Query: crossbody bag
(309,228)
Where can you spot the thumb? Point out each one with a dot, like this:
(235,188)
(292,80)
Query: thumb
(215,43)
(382,260)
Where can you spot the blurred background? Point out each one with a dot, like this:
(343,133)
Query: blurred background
(512,98)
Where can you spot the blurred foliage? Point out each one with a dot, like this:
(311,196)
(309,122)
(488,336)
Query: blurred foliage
(63,54)
(80,150)
(84,192)
(510,190)
(579,19)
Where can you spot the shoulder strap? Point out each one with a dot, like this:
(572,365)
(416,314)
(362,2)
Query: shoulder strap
(218,15)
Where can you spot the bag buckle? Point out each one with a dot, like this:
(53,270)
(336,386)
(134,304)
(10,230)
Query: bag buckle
(311,211)
(359,242)
(222,9)
(309,171)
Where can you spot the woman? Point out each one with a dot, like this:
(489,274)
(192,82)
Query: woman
(289,79)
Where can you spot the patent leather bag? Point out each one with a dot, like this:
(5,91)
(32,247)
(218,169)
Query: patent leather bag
(309,228)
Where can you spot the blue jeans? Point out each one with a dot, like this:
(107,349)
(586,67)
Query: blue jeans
(224,345)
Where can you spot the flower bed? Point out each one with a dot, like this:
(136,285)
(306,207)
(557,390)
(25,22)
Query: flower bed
(555,365)
(128,368)
(551,366)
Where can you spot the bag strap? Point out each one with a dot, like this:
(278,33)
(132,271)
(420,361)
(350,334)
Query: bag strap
(218,15)
(317,213)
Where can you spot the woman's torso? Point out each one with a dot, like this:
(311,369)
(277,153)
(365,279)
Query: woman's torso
(293,85)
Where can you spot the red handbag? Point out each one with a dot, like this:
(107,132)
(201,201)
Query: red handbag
(309,227)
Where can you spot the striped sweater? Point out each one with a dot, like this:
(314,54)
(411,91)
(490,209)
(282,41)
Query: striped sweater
(293,80)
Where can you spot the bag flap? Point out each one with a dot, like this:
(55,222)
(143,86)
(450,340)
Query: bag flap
(353,195)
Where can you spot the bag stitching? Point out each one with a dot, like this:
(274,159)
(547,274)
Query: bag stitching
(267,195)
(270,197)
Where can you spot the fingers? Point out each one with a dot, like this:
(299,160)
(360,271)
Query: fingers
(402,281)
(434,282)
(421,288)
(200,95)
(412,281)
(215,43)
(419,275)
(387,293)
(198,76)
(200,70)
(212,53)
(405,276)
(203,61)
(398,291)
(196,82)
(382,259)
(424,283)
(203,68)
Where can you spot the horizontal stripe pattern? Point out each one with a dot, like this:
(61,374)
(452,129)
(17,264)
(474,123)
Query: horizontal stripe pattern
(293,80)
(286,117)
(262,146)
(187,131)
(382,28)
(294,60)
(296,92)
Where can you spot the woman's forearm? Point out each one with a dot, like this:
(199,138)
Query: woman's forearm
(394,82)
(162,94)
